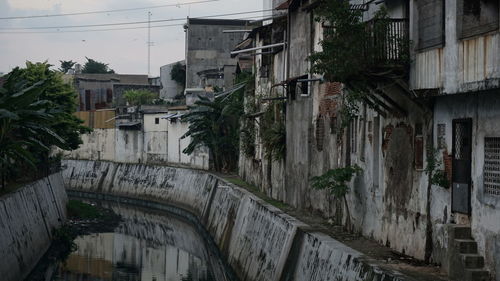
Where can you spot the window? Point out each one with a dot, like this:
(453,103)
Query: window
(492,166)
(419,146)
(157,120)
(476,17)
(320,132)
(109,95)
(430,23)
(441,134)
(354,135)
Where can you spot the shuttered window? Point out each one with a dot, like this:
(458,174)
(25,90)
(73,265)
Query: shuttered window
(476,17)
(430,23)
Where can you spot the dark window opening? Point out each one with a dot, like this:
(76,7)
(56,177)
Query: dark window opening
(419,146)
(109,95)
(320,133)
(430,23)
(88,99)
(476,17)
(157,120)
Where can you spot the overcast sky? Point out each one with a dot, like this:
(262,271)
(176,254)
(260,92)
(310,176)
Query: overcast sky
(124,50)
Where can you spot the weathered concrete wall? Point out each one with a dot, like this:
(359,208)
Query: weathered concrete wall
(482,108)
(98,145)
(263,171)
(208,48)
(258,240)
(169,88)
(27,220)
(155,144)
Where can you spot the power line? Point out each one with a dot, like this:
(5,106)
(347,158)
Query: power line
(126,23)
(106,11)
(88,30)
(109,29)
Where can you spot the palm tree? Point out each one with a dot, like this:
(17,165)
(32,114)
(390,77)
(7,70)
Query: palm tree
(216,125)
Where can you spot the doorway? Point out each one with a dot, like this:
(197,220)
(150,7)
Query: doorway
(461,166)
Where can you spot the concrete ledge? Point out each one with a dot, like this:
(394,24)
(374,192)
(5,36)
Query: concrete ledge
(259,241)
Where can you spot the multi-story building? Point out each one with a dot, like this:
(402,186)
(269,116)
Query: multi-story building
(432,97)
(208,62)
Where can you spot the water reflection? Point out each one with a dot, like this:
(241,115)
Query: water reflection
(146,246)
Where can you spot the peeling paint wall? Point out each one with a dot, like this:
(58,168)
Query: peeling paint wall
(28,218)
(155,144)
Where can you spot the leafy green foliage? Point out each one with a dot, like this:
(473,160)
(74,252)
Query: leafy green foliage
(354,52)
(273,132)
(63,100)
(64,237)
(216,126)
(35,113)
(66,65)
(140,97)
(336,180)
(95,67)
(435,169)
(178,74)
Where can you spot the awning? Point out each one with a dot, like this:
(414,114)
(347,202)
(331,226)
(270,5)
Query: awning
(168,116)
(130,125)
(232,90)
(172,116)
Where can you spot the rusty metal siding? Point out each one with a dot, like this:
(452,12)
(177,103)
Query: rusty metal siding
(478,58)
(97,119)
(428,71)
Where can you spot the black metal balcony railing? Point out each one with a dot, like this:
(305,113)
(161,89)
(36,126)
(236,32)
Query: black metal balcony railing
(388,42)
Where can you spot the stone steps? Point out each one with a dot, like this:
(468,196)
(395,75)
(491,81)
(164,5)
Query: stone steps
(466,247)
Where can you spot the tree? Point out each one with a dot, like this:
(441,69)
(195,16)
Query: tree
(178,74)
(66,65)
(64,100)
(95,67)
(35,113)
(140,97)
(335,181)
(216,125)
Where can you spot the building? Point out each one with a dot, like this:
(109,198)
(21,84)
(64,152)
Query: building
(170,88)
(95,91)
(208,62)
(433,97)
(149,134)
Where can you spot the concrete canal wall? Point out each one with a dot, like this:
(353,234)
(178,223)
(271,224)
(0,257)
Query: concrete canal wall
(259,241)
(27,220)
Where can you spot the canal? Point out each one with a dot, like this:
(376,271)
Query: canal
(147,245)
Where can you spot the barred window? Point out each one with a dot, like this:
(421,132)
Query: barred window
(492,166)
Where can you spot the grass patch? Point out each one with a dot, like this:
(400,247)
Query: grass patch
(239,182)
(81,210)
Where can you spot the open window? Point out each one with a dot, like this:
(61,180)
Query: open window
(430,23)
(476,17)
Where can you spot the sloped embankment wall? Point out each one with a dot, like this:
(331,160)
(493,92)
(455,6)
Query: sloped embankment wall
(27,220)
(259,241)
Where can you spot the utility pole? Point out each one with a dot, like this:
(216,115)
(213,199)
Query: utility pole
(149,43)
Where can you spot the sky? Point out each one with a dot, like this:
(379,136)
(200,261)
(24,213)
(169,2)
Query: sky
(124,50)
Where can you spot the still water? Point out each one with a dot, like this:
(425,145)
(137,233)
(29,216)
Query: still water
(147,246)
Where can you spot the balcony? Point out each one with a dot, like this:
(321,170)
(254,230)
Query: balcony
(388,42)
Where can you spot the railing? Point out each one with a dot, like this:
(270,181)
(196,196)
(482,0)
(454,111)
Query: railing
(389,41)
